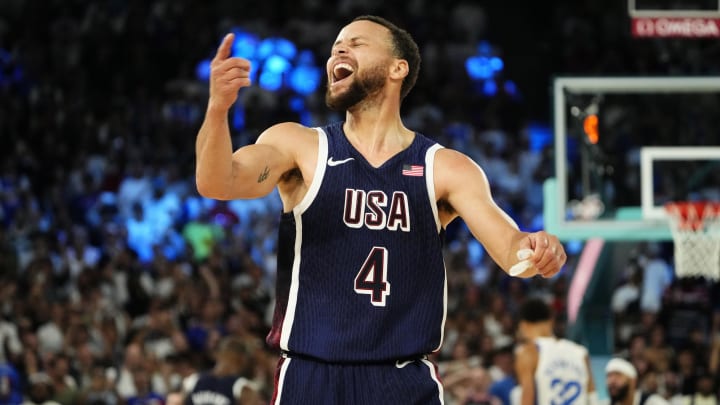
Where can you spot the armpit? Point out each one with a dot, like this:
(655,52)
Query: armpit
(292,176)
(445,207)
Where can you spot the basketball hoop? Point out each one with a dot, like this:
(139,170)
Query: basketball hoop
(695,229)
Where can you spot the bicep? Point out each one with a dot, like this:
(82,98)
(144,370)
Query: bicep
(467,190)
(258,168)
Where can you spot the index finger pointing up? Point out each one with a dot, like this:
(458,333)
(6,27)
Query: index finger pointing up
(223,51)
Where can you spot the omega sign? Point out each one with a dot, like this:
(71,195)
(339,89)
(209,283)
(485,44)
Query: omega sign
(676,27)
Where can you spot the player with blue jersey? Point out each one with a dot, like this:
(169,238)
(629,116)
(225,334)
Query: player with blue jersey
(361,286)
(550,370)
(226,383)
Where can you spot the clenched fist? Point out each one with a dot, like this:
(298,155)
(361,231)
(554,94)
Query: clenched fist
(540,253)
(227,75)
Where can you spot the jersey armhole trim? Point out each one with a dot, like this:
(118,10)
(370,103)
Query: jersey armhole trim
(430,181)
(189,382)
(319,173)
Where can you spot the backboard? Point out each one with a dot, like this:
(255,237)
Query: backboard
(626,145)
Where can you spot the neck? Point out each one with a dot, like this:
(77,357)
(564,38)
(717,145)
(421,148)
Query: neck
(225,370)
(375,126)
(539,330)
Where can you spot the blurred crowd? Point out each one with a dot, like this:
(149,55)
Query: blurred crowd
(118,281)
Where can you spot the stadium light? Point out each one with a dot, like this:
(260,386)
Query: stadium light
(278,65)
(485,69)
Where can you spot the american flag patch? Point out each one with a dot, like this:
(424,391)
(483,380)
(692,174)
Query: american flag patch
(412,170)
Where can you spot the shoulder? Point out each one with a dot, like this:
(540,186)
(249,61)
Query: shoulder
(526,353)
(285,131)
(242,385)
(580,348)
(455,169)
(451,158)
(526,348)
(189,382)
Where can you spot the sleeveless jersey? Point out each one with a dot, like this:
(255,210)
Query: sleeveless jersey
(360,273)
(561,376)
(212,390)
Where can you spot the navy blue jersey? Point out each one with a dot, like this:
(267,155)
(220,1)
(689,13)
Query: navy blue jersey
(360,272)
(213,390)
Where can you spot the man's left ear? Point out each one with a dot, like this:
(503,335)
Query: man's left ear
(400,69)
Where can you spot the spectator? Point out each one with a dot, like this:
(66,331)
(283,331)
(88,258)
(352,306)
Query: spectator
(135,360)
(11,348)
(40,390)
(658,352)
(625,303)
(656,278)
(470,386)
(622,380)
(10,385)
(65,387)
(144,395)
(100,389)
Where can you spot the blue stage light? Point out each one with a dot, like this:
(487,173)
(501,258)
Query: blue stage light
(202,71)
(265,48)
(478,67)
(297,104)
(490,88)
(245,45)
(510,87)
(485,69)
(271,80)
(305,79)
(306,57)
(539,136)
(285,48)
(496,64)
(276,64)
(238,117)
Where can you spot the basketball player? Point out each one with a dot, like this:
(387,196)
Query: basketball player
(361,287)
(622,384)
(550,370)
(225,384)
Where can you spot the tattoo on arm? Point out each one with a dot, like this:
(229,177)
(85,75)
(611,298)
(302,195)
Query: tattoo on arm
(264,175)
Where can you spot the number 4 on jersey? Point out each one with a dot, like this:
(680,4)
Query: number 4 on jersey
(372,277)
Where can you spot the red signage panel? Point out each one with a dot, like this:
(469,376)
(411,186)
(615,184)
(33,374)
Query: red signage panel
(678,27)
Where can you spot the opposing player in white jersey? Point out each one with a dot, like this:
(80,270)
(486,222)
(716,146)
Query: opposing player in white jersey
(550,370)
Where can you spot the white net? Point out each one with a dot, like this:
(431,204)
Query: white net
(696,234)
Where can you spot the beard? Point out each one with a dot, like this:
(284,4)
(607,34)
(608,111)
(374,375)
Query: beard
(360,89)
(617,395)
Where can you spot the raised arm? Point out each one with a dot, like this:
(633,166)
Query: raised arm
(251,171)
(463,186)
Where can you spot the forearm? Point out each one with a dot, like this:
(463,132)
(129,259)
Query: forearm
(527,396)
(213,150)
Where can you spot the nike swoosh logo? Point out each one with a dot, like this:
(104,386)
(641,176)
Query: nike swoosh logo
(401,364)
(332,162)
